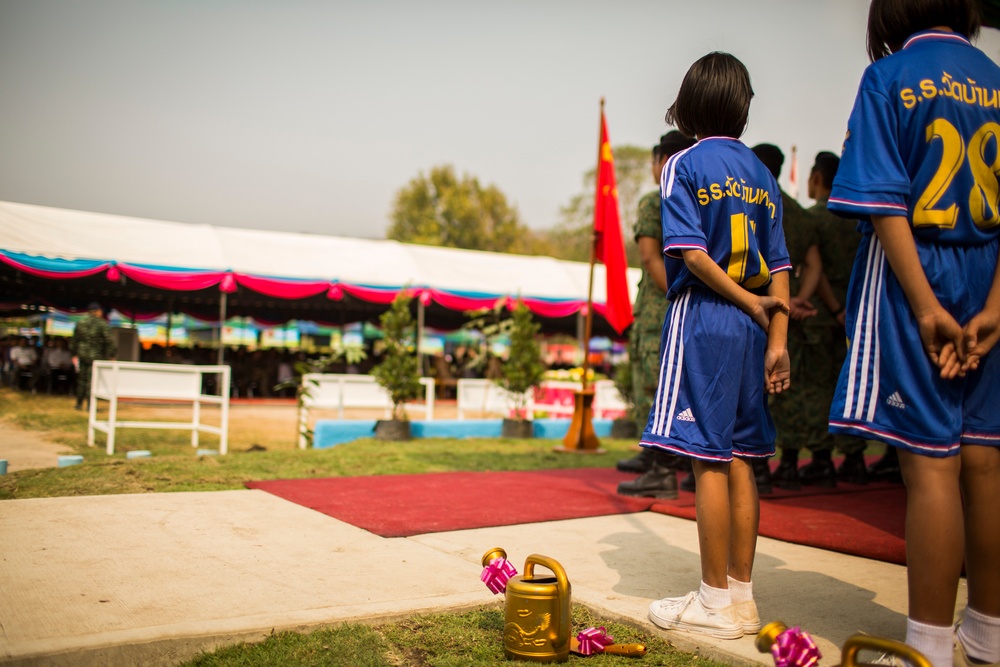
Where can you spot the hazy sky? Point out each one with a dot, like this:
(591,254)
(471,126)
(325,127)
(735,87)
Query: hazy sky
(309,116)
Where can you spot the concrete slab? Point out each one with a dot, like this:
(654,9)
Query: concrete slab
(150,579)
(619,564)
(156,578)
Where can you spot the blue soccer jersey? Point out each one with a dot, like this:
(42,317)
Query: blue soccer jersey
(718,197)
(922,142)
(710,401)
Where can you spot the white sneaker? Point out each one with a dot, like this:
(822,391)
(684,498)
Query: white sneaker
(961,658)
(746,613)
(690,615)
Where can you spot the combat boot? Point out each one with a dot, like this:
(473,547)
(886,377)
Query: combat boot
(656,483)
(689,483)
(762,475)
(852,470)
(820,471)
(640,463)
(886,469)
(786,475)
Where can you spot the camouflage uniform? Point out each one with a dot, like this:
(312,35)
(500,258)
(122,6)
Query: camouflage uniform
(816,345)
(91,341)
(649,311)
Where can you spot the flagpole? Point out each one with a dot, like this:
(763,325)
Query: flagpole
(588,326)
(580,437)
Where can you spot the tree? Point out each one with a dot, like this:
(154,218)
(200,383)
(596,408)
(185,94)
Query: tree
(524,368)
(398,372)
(572,237)
(441,209)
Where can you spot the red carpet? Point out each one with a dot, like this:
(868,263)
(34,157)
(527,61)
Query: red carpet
(862,520)
(404,505)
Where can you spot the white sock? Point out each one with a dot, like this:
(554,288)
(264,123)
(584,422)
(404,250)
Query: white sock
(740,591)
(714,598)
(934,641)
(980,635)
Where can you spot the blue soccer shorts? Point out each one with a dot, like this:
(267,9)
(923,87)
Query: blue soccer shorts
(889,390)
(710,402)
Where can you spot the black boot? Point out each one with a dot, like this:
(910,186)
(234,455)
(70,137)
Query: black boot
(657,483)
(762,475)
(689,483)
(852,470)
(79,404)
(640,463)
(886,469)
(786,475)
(820,471)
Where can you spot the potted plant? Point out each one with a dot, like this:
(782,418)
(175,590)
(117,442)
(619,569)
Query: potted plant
(522,371)
(626,425)
(398,371)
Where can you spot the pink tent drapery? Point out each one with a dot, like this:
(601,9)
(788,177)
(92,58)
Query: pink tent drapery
(281,288)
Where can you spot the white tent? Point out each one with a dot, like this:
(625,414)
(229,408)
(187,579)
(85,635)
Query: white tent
(32,236)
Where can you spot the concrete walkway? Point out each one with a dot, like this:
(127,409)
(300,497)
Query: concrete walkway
(153,579)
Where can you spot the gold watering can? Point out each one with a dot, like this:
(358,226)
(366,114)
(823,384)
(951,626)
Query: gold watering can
(854,644)
(537,616)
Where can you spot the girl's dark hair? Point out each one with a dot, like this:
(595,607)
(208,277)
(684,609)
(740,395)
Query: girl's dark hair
(891,22)
(714,98)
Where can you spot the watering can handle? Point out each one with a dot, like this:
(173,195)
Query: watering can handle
(859,642)
(562,583)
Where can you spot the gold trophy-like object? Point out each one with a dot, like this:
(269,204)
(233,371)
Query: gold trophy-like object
(768,635)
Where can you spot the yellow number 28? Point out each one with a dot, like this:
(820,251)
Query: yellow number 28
(984,197)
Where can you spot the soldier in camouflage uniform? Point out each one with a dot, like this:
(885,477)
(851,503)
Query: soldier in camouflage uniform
(650,309)
(91,341)
(817,342)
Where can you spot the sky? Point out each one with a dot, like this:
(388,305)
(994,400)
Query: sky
(309,116)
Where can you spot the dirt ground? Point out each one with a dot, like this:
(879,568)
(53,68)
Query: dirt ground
(250,423)
(24,450)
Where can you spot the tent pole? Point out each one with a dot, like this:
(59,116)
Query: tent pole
(222,322)
(420,335)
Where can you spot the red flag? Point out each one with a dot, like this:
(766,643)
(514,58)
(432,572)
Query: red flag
(609,248)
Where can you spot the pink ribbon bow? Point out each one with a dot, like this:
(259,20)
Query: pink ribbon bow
(593,640)
(795,648)
(497,574)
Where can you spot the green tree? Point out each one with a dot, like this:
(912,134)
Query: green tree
(523,368)
(398,371)
(572,237)
(441,209)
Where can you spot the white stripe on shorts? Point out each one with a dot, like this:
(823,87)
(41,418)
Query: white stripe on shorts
(670,376)
(865,341)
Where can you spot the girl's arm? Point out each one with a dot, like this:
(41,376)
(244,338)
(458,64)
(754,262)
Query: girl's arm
(760,308)
(777,367)
(983,330)
(940,333)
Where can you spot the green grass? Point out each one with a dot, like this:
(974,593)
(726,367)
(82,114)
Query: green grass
(471,639)
(175,466)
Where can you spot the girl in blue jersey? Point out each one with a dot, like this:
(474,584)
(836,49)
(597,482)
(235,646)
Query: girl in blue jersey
(724,339)
(919,169)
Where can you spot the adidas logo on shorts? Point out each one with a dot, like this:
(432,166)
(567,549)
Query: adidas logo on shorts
(685,415)
(896,401)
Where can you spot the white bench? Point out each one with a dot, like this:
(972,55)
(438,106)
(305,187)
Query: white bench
(486,396)
(114,380)
(339,390)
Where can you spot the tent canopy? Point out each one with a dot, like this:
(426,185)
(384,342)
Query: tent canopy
(64,259)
